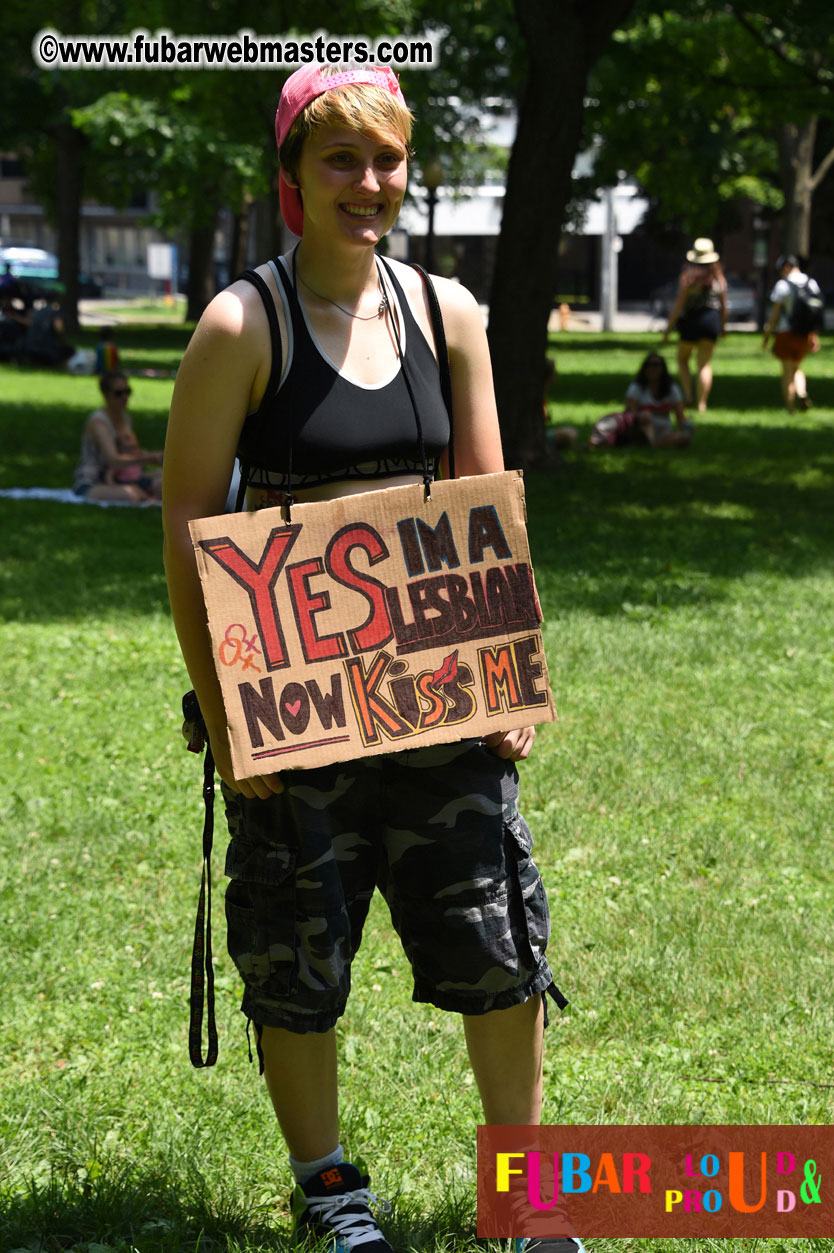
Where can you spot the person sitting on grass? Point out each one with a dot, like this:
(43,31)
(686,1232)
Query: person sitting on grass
(111,463)
(651,401)
(45,343)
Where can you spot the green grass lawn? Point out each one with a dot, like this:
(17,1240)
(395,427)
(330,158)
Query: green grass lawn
(681,808)
(157,309)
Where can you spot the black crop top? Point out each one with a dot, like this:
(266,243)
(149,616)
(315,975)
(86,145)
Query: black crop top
(340,429)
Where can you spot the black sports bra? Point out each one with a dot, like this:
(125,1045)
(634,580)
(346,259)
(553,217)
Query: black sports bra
(317,426)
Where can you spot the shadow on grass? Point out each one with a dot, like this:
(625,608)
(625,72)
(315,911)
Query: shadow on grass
(636,525)
(120,1210)
(144,346)
(71,561)
(622,527)
(734,392)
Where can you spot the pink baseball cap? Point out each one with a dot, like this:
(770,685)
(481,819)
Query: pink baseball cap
(299,89)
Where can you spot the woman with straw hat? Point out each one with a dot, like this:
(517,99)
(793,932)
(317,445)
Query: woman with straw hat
(700,315)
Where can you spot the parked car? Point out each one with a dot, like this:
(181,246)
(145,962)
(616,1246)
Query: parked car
(38,270)
(741,300)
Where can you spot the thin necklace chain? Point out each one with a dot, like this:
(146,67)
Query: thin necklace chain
(360,317)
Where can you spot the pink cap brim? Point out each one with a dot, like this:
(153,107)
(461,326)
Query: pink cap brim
(299,89)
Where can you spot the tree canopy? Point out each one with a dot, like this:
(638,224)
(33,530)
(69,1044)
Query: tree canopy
(703,104)
(706,104)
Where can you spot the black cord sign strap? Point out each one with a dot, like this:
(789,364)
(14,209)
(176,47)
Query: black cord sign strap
(442,359)
(202,967)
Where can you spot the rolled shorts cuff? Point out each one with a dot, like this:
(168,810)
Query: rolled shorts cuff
(458,1001)
(303,1022)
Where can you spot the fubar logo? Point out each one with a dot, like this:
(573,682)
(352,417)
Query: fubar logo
(720,1181)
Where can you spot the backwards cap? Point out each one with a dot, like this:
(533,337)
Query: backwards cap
(299,89)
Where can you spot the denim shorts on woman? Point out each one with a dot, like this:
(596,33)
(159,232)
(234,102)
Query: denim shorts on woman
(438,831)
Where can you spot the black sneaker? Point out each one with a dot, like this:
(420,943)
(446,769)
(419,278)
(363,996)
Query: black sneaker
(334,1205)
(548,1244)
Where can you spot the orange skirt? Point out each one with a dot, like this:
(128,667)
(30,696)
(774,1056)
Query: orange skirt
(788,346)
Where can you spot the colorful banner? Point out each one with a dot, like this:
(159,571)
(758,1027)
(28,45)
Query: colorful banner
(744,1182)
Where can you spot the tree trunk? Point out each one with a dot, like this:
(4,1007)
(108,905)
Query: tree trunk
(563,42)
(240,239)
(200,286)
(796,152)
(268,222)
(69,169)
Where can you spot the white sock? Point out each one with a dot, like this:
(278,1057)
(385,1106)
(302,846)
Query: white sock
(305,1170)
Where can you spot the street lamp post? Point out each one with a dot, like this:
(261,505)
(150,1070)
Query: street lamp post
(432,180)
(761,249)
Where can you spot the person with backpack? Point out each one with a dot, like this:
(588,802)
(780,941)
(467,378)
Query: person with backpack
(796,316)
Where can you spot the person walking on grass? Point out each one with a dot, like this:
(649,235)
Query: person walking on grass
(320,368)
(700,315)
(796,316)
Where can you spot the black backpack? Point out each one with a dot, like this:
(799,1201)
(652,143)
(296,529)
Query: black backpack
(808,312)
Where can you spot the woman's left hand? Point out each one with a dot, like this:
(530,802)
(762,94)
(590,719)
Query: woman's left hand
(511,745)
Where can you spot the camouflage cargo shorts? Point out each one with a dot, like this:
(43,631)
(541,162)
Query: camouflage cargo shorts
(438,831)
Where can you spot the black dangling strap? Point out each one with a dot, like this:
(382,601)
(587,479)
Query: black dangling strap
(202,967)
(442,358)
(242,485)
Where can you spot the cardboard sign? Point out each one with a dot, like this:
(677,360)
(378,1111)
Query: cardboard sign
(373,622)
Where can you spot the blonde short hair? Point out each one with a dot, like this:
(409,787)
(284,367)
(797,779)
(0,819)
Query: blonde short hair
(355,106)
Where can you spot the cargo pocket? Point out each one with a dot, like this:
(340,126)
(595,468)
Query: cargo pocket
(261,915)
(529,911)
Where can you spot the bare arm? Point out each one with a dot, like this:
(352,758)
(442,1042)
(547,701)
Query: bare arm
(217,384)
(775,314)
(477,434)
(100,431)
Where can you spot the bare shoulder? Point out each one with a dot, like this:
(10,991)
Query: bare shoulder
(98,420)
(232,318)
(462,317)
(461,313)
(231,345)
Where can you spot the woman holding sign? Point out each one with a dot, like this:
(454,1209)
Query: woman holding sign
(320,370)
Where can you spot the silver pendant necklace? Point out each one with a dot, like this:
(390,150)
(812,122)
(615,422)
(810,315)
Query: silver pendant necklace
(359,317)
